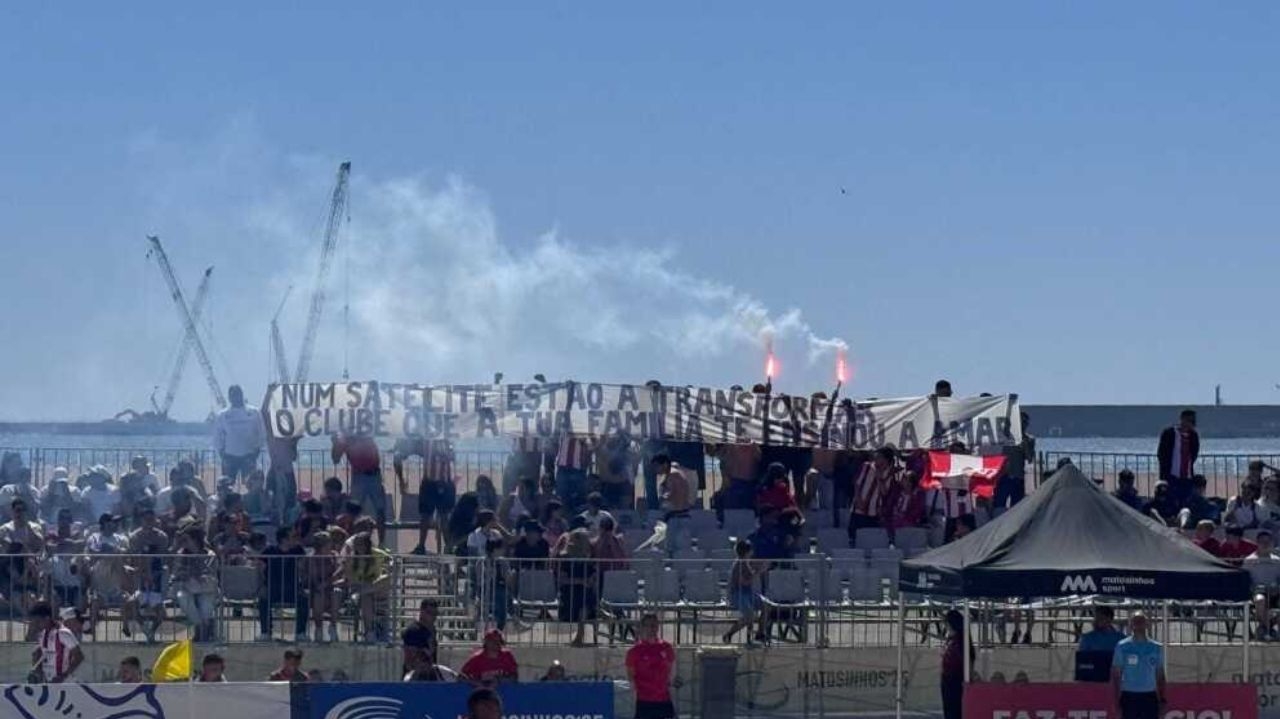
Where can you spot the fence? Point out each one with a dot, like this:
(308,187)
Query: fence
(1223,471)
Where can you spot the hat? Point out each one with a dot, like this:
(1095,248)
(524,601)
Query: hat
(100,469)
(495,635)
(60,473)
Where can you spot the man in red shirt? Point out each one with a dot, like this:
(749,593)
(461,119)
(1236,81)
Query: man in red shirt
(777,490)
(492,663)
(651,662)
(361,451)
(1235,547)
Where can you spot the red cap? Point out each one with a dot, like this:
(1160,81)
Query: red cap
(494,635)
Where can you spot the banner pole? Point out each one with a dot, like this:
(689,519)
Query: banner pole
(902,642)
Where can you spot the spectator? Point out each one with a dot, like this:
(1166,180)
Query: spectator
(257,502)
(1162,507)
(942,388)
(62,570)
(616,460)
(333,501)
(365,463)
(486,493)
(573,458)
(462,521)
(436,491)
(321,568)
(1177,453)
(212,669)
(520,504)
(61,495)
(1011,486)
(1264,571)
(577,580)
(420,635)
(10,465)
(21,529)
(608,549)
(554,673)
(238,435)
(367,579)
(130,671)
(1104,636)
(527,459)
(744,589)
(492,663)
(349,516)
(553,520)
(677,500)
(19,579)
(739,468)
(147,545)
(546,493)
(870,489)
(1197,507)
(282,587)
(1268,507)
(110,577)
(484,703)
(1203,537)
(422,667)
(290,670)
(137,485)
(195,576)
(904,504)
(965,525)
(952,674)
(595,513)
(1242,509)
(73,619)
(22,489)
(770,539)
(776,491)
(1254,473)
(532,551)
(489,585)
(101,497)
(225,487)
(1235,547)
(311,520)
(282,481)
(1126,491)
(1137,673)
(182,488)
(651,664)
(58,652)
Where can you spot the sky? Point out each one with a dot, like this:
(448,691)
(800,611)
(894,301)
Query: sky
(1071,201)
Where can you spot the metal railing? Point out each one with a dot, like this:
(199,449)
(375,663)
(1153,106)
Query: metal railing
(1223,471)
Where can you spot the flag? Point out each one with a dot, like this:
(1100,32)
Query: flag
(174,663)
(963,471)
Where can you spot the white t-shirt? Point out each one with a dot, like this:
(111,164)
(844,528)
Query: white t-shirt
(101,501)
(1264,569)
(238,431)
(55,651)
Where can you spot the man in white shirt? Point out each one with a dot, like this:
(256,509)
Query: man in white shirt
(101,497)
(22,529)
(57,652)
(20,489)
(1264,571)
(238,435)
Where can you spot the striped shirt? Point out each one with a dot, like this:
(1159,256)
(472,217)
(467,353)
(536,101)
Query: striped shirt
(574,452)
(55,651)
(870,488)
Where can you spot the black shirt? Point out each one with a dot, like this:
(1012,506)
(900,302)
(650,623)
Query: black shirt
(421,636)
(282,572)
(527,555)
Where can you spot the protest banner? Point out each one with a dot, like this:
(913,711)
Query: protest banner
(680,414)
(1097,701)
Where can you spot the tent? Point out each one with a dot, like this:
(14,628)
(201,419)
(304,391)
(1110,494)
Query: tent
(1067,538)
(1070,538)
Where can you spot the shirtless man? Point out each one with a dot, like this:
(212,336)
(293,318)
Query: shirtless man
(677,500)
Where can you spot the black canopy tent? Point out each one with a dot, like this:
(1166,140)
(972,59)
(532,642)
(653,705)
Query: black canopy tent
(1070,538)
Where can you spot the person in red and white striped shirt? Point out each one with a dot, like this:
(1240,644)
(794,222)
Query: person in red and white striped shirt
(57,652)
(573,458)
(870,490)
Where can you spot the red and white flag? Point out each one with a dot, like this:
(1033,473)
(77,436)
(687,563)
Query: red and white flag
(963,471)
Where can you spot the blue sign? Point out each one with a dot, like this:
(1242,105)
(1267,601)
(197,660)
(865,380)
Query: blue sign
(437,700)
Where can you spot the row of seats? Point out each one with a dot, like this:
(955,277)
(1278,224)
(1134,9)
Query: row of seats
(909,540)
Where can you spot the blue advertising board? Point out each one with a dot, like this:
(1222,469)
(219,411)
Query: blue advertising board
(433,700)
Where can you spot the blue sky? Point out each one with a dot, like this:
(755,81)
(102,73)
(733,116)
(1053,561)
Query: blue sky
(1071,201)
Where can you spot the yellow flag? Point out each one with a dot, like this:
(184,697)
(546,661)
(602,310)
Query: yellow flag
(174,663)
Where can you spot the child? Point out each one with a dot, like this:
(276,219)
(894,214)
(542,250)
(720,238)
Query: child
(742,588)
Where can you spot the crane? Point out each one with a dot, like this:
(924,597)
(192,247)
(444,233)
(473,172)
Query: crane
(337,210)
(180,363)
(277,343)
(188,322)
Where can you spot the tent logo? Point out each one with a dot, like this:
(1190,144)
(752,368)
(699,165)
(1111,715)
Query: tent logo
(1079,584)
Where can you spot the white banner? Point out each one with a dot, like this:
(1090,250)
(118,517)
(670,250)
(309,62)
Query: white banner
(145,701)
(681,414)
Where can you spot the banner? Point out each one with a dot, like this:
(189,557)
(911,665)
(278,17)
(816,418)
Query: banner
(415,700)
(679,414)
(145,701)
(1097,701)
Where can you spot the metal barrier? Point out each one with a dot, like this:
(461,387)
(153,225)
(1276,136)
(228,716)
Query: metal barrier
(1223,471)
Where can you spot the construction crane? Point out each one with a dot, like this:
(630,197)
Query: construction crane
(337,211)
(184,349)
(188,322)
(277,342)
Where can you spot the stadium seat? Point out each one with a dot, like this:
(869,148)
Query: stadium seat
(653,516)
(784,599)
(888,554)
(739,522)
(710,540)
(864,587)
(871,538)
(831,539)
(634,537)
(662,589)
(627,519)
(700,519)
(621,589)
(908,538)
(702,589)
(849,553)
(826,586)
(537,590)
